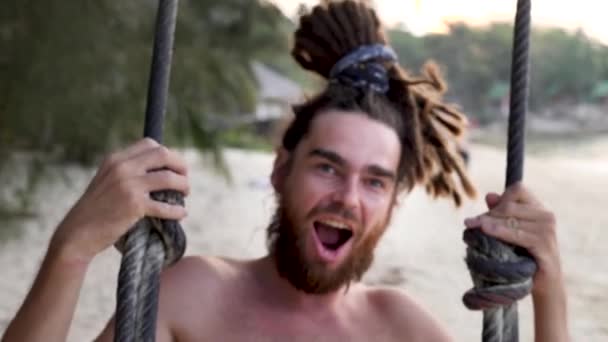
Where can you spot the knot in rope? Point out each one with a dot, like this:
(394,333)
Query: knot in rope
(147,248)
(502,274)
(169,232)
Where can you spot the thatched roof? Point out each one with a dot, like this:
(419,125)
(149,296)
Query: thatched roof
(274,86)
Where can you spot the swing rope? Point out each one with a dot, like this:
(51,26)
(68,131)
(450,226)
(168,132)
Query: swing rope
(152,243)
(502,273)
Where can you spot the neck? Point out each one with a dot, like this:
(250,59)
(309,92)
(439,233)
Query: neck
(286,296)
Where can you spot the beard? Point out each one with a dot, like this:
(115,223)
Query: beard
(287,244)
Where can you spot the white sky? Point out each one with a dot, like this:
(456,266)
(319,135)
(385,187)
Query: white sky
(422,16)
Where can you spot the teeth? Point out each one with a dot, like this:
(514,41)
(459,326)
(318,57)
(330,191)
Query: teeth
(335,224)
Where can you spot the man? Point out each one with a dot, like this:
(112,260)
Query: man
(219,299)
(342,164)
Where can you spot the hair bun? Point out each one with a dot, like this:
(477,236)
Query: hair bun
(333,30)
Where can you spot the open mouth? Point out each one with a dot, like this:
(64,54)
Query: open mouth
(332,234)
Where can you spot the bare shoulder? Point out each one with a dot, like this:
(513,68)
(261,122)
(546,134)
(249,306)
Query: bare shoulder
(192,289)
(190,281)
(405,316)
(191,270)
(196,276)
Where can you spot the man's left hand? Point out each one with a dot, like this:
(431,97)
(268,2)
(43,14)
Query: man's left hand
(519,218)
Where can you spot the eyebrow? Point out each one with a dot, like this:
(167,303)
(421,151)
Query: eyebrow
(335,158)
(327,154)
(381,172)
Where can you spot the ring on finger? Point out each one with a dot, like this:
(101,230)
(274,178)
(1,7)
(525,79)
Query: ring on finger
(512,223)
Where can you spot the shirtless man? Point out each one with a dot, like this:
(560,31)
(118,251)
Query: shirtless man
(343,161)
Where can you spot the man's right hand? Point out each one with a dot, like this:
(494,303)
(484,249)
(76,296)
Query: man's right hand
(119,196)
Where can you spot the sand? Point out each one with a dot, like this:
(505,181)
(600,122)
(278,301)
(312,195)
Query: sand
(422,251)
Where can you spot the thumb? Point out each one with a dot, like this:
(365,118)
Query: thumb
(492,199)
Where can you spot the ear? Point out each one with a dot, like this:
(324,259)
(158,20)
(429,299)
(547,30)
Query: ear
(280,169)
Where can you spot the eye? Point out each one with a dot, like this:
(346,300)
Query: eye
(376,183)
(326,168)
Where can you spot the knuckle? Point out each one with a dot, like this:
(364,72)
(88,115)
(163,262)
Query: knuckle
(502,210)
(149,142)
(488,221)
(170,211)
(170,180)
(181,161)
(519,188)
(517,192)
(121,170)
(125,190)
(178,182)
(167,178)
(163,152)
(108,161)
(509,209)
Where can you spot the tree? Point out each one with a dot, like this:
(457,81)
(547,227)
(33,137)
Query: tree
(77,70)
(74,74)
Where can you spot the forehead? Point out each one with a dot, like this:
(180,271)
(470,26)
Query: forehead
(358,139)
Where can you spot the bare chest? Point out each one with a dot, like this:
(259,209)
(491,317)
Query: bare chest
(257,324)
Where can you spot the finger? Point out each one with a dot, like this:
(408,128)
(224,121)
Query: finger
(491,222)
(518,237)
(132,150)
(136,170)
(519,211)
(166,180)
(159,158)
(164,210)
(118,157)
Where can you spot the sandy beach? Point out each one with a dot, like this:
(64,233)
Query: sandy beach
(422,251)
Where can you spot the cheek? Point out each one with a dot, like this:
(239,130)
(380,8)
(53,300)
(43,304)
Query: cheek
(306,191)
(377,216)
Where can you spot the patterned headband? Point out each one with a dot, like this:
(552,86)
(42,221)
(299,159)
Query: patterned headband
(362,68)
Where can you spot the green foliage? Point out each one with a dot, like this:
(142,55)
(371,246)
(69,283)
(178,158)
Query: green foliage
(76,71)
(244,138)
(565,67)
(74,77)
(600,90)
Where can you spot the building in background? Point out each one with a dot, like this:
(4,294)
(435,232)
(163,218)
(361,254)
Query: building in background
(276,94)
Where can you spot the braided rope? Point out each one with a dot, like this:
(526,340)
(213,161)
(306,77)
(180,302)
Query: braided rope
(152,243)
(502,273)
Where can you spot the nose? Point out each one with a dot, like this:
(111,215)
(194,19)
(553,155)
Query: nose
(348,194)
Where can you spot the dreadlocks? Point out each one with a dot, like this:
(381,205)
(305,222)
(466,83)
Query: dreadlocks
(426,127)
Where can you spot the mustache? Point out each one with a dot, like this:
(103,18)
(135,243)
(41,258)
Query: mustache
(337,209)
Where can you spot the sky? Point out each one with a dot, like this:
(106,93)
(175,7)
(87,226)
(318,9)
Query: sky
(423,16)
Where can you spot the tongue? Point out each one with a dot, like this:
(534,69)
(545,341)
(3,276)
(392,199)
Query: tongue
(327,235)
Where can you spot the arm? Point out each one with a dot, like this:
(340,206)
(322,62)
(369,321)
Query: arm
(117,197)
(550,314)
(50,304)
(535,231)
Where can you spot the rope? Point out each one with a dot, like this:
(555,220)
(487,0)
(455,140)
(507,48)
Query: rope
(502,273)
(152,243)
